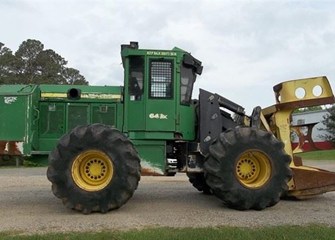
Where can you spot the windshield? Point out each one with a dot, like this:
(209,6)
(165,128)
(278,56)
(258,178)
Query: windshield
(187,79)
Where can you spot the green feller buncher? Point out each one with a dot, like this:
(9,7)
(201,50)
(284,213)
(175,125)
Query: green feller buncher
(99,140)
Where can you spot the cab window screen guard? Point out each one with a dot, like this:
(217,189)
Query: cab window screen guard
(161,79)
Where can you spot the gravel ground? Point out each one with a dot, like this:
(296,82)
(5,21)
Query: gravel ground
(28,205)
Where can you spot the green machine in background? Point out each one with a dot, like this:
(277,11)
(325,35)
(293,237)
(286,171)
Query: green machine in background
(34,117)
(100,139)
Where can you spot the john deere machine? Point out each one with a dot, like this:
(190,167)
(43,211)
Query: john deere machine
(101,139)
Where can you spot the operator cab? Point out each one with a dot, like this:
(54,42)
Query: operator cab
(158,91)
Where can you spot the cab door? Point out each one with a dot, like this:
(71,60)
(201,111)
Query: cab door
(134,118)
(160,107)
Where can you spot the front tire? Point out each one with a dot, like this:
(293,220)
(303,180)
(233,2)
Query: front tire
(247,168)
(94,168)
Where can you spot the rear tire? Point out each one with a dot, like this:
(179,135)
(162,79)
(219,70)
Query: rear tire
(198,181)
(247,168)
(94,168)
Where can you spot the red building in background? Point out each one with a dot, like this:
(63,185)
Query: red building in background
(308,131)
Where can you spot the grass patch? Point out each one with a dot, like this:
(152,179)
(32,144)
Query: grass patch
(312,232)
(318,155)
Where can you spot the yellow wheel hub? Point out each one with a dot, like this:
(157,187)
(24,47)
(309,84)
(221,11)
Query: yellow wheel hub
(92,170)
(253,169)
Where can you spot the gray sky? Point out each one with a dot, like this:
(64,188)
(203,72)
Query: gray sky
(246,47)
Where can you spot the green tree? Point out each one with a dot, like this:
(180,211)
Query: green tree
(7,65)
(32,64)
(329,122)
(72,76)
(308,109)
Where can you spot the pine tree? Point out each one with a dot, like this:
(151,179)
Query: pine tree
(329,122)
(32,64)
